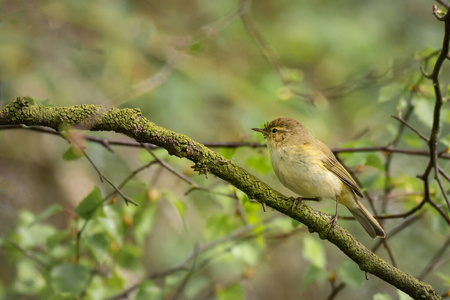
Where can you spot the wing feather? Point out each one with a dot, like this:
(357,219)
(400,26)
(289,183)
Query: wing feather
(333,165)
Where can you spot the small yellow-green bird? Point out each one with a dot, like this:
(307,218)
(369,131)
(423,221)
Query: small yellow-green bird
(307,167)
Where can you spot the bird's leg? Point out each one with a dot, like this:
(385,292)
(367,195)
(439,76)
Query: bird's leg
(298,200)
(335,217)
(295,202)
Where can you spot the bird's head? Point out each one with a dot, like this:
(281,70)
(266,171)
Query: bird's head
(282,131)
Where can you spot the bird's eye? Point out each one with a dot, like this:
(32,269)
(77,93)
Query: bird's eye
(274,130)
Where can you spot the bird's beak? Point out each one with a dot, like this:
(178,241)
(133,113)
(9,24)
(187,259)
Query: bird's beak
(260,130)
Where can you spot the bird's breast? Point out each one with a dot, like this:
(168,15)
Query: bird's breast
(301,170)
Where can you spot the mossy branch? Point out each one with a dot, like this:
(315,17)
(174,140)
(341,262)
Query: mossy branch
(131,123)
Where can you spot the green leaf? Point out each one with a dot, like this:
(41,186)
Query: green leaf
(246,253)
(72,153)
(446,140)
(149,290)
(35,236)
(115,281)
(48,212)
(144,223)
(181,207)
(144,156)
(427,51)
(350,274)
(231,292)
(389,92)
(69,280)
(219,225)
(374,160)
(196,47)
(29,279)
(91,206)
(381,297)
(314,252)
(98,245)
(313,274)
(130,257)
(423,109)
(413,140)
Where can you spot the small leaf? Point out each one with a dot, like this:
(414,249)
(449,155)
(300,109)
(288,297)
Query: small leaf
(115,281)
(446,141)
(28,278)
(312,275)
(246,253)
(412,140)
(72,153)
(423,109)
(389,92)
(130,257)
(314,252)
(69,280)
(350,274)
(144,223)
(196,47)
(48,212)
(91,206)
(98,245)
(426,52)
(149,290)
(231,292)
(374,160)
(181,207)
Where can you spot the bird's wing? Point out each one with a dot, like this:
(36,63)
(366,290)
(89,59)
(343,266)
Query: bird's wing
(333,165)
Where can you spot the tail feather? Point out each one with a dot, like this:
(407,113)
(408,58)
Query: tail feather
(368,222)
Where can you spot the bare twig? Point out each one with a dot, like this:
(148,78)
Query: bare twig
(134,173)
(439,101)
(27,253)
(102,176)
(170,168)
(424,138)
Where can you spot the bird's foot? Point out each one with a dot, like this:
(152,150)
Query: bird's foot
(298,200)
(295,202)
(333,222)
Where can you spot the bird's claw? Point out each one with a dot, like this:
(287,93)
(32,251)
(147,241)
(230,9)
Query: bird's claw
(333,222)
(295,202)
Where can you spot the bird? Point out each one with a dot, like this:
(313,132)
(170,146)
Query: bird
(309,168)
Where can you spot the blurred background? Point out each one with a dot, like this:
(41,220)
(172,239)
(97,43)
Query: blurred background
(213,70)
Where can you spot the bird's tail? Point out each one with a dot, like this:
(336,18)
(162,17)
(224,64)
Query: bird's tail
(363,216)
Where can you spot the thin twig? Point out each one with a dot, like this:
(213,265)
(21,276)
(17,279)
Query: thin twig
(102,176)
(170,168)
(424,138)
(27,254)
(134,173)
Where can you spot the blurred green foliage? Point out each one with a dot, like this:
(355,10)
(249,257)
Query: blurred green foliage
(193,67)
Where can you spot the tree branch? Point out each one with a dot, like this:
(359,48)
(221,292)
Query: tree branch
(131,123)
